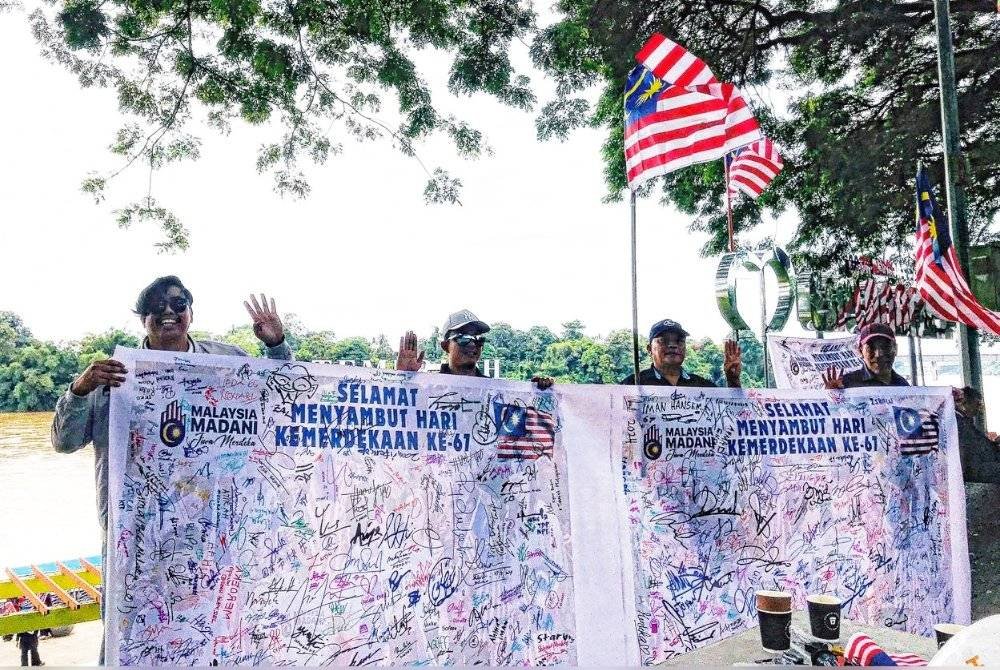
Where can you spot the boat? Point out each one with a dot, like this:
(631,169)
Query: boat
(50,595)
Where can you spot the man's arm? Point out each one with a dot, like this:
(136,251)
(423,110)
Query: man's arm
(72,425)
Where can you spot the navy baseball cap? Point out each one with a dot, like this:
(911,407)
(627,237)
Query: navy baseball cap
(666,326)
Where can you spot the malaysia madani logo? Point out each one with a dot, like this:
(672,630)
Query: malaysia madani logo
(172,425)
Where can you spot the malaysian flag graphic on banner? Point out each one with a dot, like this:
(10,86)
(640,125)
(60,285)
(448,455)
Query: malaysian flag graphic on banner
(670,125)
(918,431)
(753,167)
(939,276)
(524,433)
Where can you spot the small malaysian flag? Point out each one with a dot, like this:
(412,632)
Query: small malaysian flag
(753,168)
(917,430)
(524,433)
(862,650)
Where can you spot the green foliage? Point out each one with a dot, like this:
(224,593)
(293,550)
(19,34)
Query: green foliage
(321,69)
(243,337)
(864,108)
(99,346)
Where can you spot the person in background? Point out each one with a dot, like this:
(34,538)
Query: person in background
(166,311)
(27,642)
(980,452)
(667,348)
(878,351)
(462,338)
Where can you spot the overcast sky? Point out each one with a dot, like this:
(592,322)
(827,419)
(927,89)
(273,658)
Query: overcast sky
(531,244)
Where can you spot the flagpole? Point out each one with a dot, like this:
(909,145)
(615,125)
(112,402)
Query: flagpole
(729,204)
(635,303)
(968,339)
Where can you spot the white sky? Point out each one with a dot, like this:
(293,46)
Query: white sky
(532,243)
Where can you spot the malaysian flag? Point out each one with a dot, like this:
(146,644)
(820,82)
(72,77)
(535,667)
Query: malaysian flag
(862,650)
(939,275)
(669,126)
(524,433)
(753,167)
(672,63)
(917,430)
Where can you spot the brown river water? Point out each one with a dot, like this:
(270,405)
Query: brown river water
(49,510)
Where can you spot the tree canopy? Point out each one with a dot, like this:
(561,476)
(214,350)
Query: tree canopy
(864,106)
(322,69)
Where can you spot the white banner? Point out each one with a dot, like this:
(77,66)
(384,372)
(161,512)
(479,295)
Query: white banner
(266,512)
(799,362)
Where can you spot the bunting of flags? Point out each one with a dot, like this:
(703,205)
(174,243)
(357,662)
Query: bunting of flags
(876,301)
(678,114)
(939,277)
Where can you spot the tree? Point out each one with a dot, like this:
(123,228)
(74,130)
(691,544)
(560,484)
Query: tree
(357,349)
(579,361)
(37,375)
(864,111)
(95,347)
(317,346)
(13,334)
(619,345)
(319,68)
(244,338)
(573,330)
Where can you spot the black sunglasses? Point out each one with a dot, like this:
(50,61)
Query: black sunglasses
(462,340)
(178,304)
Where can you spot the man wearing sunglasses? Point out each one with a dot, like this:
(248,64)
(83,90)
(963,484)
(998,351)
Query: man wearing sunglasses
(165,309)
(462,339)
(667,348)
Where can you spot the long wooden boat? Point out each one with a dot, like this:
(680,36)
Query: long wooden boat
(75,587)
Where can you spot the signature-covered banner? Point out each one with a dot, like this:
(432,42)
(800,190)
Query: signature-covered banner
(268,512)
(799,362)
(852,494)
(271,513)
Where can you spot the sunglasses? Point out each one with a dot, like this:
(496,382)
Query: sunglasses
(464,340)
(178,304)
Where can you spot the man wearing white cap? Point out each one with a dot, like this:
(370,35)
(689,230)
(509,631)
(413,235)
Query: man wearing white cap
(462,338)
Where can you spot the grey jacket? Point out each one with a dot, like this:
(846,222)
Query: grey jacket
(80,420)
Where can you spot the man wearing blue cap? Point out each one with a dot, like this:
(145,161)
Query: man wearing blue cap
(878,351)
(667,348)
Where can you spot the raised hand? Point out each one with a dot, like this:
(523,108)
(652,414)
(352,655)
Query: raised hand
(732,365)
(833,378)
(267,325)
(409,358)
(108,372)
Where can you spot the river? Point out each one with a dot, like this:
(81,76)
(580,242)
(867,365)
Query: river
(49,509)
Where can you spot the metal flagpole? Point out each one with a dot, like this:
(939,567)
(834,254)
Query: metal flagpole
(913,357)
(972,374)
(729,205)
(635,304)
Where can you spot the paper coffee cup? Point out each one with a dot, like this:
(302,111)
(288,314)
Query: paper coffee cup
(774,601)
(775,630)
(944,631)
(824,616)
